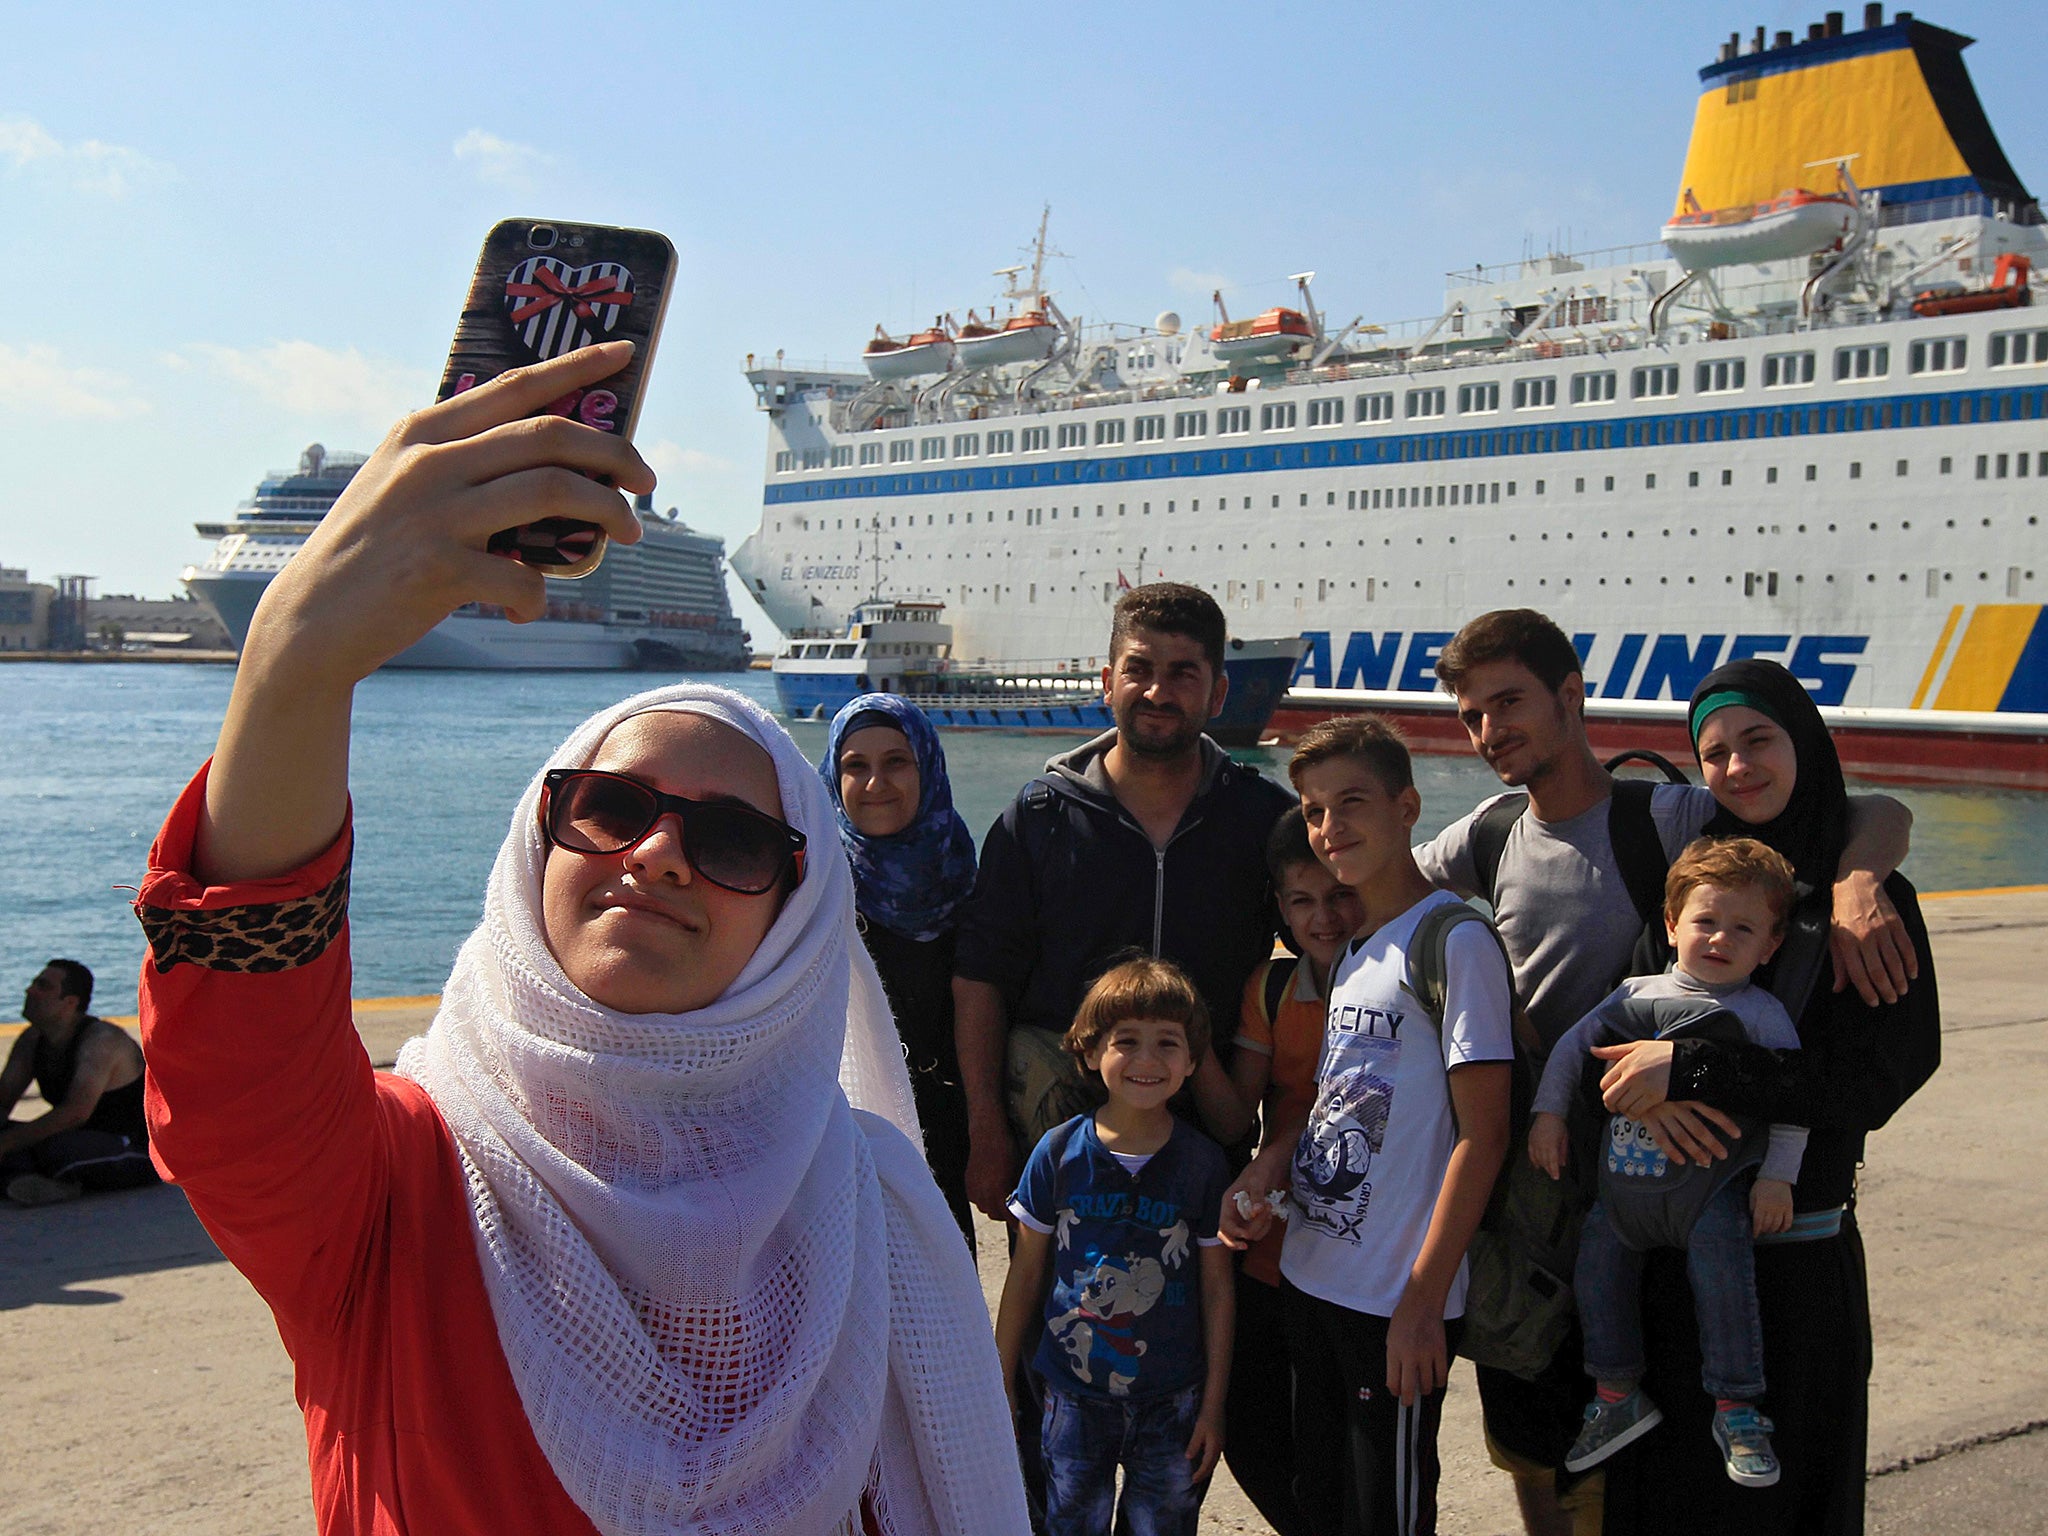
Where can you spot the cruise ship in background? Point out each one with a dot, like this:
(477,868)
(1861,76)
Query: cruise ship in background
(1810,422)
(658,604)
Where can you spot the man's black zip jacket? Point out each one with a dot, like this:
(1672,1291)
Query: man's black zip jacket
(1069,883)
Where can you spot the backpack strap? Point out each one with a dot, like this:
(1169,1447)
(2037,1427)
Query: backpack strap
(1428,967)
(1638,849)
(1673,774)
(1490,839)
(1279,975)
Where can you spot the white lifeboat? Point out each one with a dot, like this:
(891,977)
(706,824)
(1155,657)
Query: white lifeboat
(929,351)
(1794,223)
(1026,338)
(1276,333)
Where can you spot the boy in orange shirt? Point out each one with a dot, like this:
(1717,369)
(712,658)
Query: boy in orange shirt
(1279,1037)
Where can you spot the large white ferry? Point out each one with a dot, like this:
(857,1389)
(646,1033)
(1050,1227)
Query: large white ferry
(1809,423)
(660,603)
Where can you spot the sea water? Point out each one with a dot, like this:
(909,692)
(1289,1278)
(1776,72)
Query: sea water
(91,757)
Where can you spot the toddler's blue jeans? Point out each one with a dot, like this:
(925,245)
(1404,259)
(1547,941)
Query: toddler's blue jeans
(1085,1440)
(1721,1265)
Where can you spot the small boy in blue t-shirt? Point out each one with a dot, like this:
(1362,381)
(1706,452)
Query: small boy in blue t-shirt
(1118,1248)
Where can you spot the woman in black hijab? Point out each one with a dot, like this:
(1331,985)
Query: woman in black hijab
(1767,756)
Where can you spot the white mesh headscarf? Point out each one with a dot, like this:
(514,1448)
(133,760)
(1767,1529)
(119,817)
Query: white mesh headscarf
(729,1293)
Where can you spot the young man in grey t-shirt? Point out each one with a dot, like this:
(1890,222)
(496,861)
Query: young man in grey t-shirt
(1569,924)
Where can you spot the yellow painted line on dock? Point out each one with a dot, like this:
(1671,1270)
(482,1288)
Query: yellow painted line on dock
(358,1005)
(1986,890)
(125,1020)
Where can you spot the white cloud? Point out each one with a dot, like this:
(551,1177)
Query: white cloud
(674,463)
(501,162)
(27,148)
(36,381)
(307,379)
(1185,280)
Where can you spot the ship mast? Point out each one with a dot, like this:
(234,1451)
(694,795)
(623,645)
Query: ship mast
(1031,293)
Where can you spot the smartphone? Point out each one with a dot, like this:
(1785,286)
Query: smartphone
(542,289)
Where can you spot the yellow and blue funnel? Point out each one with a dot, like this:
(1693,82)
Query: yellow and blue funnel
(1897,97)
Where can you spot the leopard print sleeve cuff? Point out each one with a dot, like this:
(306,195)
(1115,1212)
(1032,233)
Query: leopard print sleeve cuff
(258,939)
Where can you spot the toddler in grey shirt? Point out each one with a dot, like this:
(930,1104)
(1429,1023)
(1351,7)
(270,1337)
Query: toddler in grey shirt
(1725,905)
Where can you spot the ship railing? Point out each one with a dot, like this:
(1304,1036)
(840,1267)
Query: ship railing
(1055,668)
(768,362)
(1022,698)
(1558,264)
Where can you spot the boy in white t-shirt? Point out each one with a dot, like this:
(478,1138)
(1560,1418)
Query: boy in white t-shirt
(1390,1170)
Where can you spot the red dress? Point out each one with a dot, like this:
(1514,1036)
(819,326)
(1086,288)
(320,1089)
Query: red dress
(338,1192)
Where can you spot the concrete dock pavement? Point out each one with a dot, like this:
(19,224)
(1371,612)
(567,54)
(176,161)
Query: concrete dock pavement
(144,1387)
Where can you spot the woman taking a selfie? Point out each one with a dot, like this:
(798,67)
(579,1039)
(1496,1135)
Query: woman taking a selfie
(913,864)
(615,1250)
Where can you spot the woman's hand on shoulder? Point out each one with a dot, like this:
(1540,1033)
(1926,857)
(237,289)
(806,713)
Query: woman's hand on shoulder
(1868,941)
(404,546)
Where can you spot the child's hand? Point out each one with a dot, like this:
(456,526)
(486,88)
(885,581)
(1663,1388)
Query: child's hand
(1418,1359)
(1549,1142)
(1770,1206)
(1246,1215)
(1205,1445)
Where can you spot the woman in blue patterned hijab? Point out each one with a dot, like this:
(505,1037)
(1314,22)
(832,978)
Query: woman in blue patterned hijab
(910,881)
(913,865)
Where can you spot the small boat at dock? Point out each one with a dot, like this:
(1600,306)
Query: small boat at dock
(905,647)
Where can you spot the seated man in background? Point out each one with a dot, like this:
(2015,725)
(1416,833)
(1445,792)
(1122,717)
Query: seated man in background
(89,1073)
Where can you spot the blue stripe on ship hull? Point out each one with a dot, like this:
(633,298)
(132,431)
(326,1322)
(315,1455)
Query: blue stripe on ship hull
(1880,413)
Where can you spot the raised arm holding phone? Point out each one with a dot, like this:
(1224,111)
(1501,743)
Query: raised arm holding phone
(634,1239)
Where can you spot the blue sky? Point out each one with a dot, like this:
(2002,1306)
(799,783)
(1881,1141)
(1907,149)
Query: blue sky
(235,230)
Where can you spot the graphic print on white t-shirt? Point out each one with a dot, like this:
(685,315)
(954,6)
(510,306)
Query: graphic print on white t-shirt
(1348,1126)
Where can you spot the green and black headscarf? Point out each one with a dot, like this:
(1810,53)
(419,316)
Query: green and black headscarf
(1814,825)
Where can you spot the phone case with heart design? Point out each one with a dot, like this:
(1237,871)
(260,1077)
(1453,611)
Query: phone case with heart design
(542,289)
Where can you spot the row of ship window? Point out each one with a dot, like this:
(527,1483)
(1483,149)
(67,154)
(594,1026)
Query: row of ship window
(1654,381)
(1754,584)
(1989,466)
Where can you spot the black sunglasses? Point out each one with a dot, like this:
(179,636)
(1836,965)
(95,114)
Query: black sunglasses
(735,847)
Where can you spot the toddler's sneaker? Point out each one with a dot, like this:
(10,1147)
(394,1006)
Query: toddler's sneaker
(1744,1436)
(1610,1426)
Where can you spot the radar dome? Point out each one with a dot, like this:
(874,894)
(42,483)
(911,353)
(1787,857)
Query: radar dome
(1168,323)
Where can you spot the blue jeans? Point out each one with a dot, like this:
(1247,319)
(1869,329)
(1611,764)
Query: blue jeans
(1085,1440)
(1721,1266)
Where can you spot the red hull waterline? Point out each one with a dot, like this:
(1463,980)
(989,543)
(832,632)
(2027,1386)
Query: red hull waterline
(1892,746)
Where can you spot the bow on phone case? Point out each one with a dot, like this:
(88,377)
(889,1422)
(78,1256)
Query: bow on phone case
(556,308)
